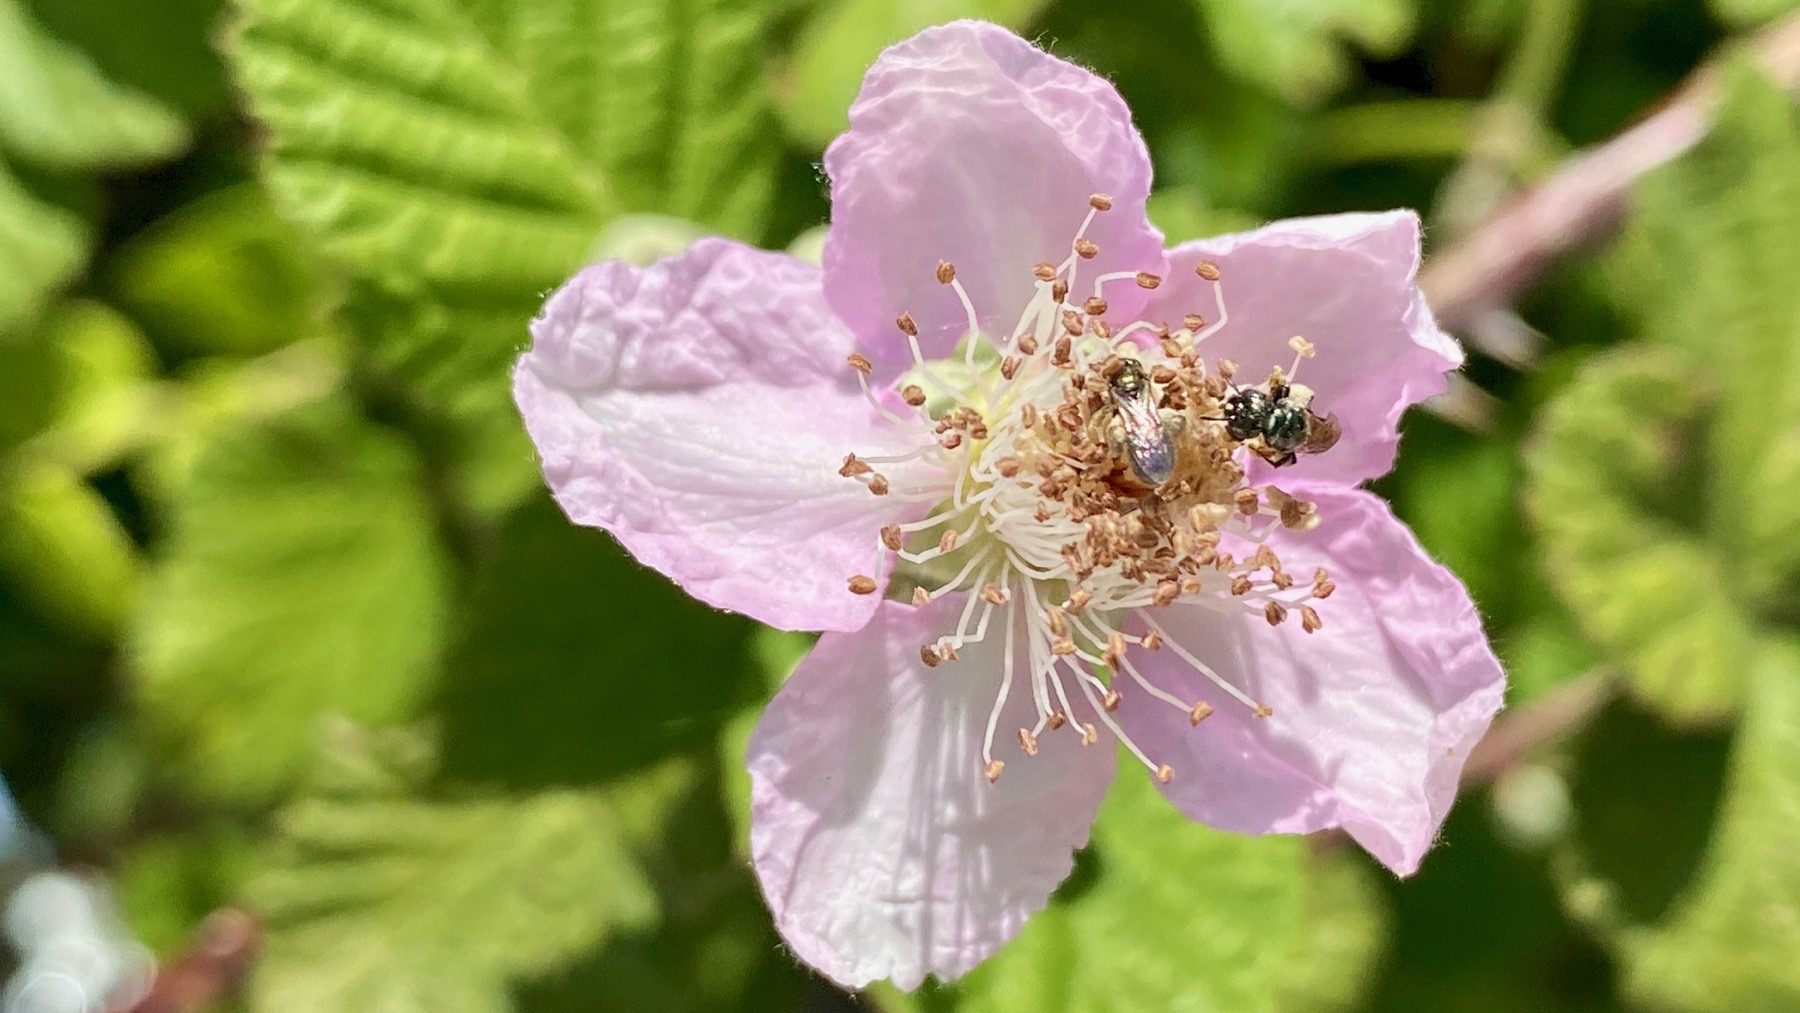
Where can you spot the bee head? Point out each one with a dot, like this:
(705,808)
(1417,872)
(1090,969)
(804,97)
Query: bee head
(1130,378)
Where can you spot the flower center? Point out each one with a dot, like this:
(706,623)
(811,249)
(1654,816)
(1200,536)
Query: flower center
(1092,476)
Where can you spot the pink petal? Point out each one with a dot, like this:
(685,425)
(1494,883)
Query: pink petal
(968,144)
(1345,283)
(1373,715)
(883,850)
(699,409)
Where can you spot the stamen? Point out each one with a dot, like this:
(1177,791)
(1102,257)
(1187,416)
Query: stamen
(1202,667)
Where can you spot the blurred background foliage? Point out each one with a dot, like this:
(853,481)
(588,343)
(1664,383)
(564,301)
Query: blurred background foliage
(289,625)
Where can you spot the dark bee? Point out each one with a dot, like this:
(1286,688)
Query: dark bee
(1138,430)
(1286,427)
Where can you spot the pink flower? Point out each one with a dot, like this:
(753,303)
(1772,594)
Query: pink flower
(1062,532)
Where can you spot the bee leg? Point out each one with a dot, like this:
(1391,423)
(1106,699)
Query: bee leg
(1173,422)
(1115,437)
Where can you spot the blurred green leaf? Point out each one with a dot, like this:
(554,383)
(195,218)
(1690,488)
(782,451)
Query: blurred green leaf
(380,900)
(1612,489)
(1749,13)
(1718,227)
(61,545)
(41,249)
(1729,942)
(163,47)
(105,389)
(602,665)
(56,110)
(221,275)
(1666,482)
(303,576)
(461,159)
(844,37)
(1261,926)
(1295,48)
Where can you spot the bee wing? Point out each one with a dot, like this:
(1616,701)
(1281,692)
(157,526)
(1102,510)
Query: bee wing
(1321,433)
(1143,429)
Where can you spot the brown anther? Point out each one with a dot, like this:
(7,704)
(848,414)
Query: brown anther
(907,327)
(946,272)
(1200,712)
(861,364)
(878,484)
(947,541)
(1056,720)
(1110,702)
(853,467)
(861,584)
(1095,306)
(1274,612)
(1190,585)
(950,441)
(1208,270)
(1028,345)
(1073,323)
(1115,644)
(1323,589)
(1027,742)
(1309,619)
(890,537)
(1263,710)
(1086,249)
(1102,330)
(1301,346)
(1044,271)
(1079,598)
(1089,734)
(1298,514)
(994,594)
(1162,374)
(1060,354)
(993,769)
(1246,500)
(1059,291)
(1165,774)
(1153,641)
(1166,592)
(1281,580)
(1171,347)
(1263,558)
(1100,202)
(1147,280)
(1009,366)
(1226,368)
(913,394)
(1240,585)
(1062,647)
(1007,466)
(920,597)
(1193,321)
(1059,623)
(946,650)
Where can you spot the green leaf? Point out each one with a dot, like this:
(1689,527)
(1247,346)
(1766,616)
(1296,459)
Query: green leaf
(380,899)
(1612,490)
(164,47)
(1259,925)
(106,392)
(303,576)
(1295,48)
(1717,236)
(41,249)
(844,37)
(602,665)
(1729,942)
(1750,13)
(463,158)
(61,545)
(57,111)
(223,274)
